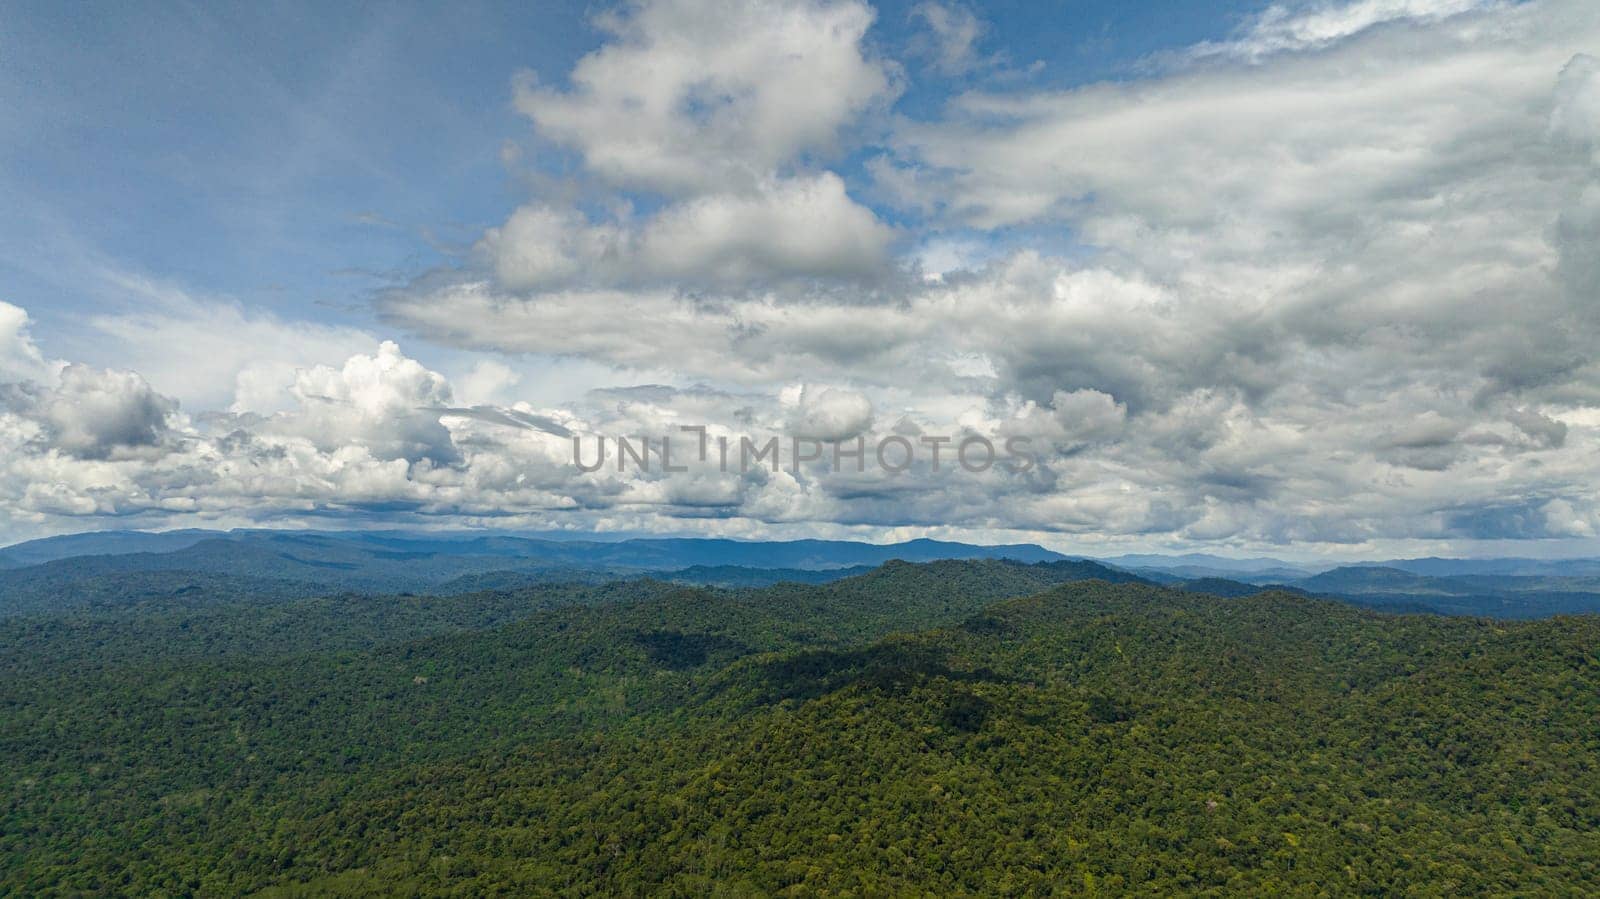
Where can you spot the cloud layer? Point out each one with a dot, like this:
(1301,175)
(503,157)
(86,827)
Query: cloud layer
(1330,284)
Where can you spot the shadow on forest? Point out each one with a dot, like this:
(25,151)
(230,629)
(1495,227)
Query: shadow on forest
(680,651)
(891,668)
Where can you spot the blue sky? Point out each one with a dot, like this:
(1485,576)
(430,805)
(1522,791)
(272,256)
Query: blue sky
(1309,278)
(296,155)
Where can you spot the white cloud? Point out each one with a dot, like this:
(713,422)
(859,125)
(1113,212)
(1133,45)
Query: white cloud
(1561,518)
(541,246)
(488,382)
(804,227)
(367,433)
(702,95)
(20,359)
(1282,29)
(1575,117)
(827,413)
(1072,421)
(1307,144)
(92,414)
(214,353)
(1299,265)
(384,403)
(807,227)
(1336,290)
(723,111)
(954,31)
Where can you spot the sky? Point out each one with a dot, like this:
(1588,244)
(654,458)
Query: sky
(1306,279)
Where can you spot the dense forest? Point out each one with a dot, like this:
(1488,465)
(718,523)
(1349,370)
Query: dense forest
(949,728)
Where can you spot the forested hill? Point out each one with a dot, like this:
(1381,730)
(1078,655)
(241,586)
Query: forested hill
(949,728)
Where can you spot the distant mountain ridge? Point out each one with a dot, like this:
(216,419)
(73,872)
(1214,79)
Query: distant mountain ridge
(273,564)
(644,552)
(1436,567)
(101,543)
(115,566)
(1211,565)
(799,554)
(1368,579)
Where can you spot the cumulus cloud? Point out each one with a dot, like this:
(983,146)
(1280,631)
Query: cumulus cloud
(698,95)
(827,413)
(378,432)
(793,228)
(91,413)
(1072,421)
(540,246)
(380,402)
(370,433)
(718,114)
(805,227)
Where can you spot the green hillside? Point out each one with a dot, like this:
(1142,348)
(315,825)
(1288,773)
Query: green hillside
(942,729)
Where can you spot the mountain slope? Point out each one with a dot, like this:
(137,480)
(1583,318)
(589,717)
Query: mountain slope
(1118,739)
(907,730)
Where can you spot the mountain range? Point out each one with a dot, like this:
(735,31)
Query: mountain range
(122,567)
(919,728)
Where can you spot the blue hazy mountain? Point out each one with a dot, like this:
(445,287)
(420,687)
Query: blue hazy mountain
(130,567)
(1370,579)
(1497,596)
(1202,565)
(1436,567)
(100,543)
(87,569)
(649,553)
